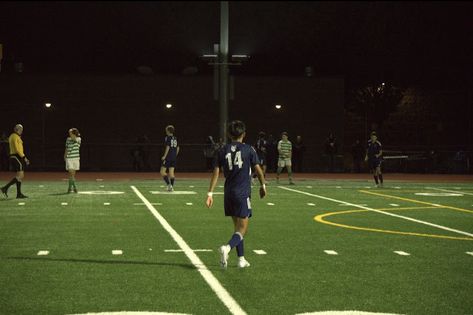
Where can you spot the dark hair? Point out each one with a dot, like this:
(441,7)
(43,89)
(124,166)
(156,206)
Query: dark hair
(170,129)
(373,133)
(283,133)
(236,128)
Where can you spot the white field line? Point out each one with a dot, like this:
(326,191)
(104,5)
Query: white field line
(452,191)
(180,250)
(380,211)
(214,284)
(469,253)
(330,252)
(259,252)
(401,253)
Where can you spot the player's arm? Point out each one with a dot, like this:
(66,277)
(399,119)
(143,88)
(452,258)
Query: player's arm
(259,173)
(213,183)
(165,153)
(279,148)
(177,151)
(19,149)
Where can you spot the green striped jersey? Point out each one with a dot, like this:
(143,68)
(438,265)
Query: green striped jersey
(72,148)
(285,148)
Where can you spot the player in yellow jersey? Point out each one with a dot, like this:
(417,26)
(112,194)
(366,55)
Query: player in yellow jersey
(18,161)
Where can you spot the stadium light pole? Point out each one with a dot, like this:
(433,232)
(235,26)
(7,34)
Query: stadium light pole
(221,69)
(46,107)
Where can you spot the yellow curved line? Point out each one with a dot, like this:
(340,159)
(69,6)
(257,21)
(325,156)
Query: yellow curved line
(320,218)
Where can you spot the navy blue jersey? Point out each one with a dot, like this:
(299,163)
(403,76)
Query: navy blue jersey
(261,148)
(171,141)
(236,159)
(374,148)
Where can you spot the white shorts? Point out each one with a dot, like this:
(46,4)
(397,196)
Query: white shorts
(285,162)
(72,164)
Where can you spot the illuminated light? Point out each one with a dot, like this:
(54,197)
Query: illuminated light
(47,105)
(209,56)
(168,105)
(278,106)
(383,84)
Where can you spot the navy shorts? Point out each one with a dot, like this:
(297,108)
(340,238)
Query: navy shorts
(17,164)
(168,164)
(374,163)
(262,160)
(237,206)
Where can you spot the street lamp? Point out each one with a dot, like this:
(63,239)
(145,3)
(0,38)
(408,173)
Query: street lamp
(47,106)
(168,106)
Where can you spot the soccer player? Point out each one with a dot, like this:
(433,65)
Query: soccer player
(374,158)
(72,157)
(285,156)
(261,149)
(18,161)
(169,158)
(236,159)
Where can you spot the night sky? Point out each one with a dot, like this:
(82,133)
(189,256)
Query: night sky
(426,43)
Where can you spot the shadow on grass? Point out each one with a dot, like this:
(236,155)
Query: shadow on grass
(96,261)
(59,194)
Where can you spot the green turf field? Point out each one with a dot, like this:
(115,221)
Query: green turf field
(406,248)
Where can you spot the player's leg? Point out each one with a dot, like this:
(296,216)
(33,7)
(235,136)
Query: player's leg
(171,178)
(16,166)
(72,180)
(19,179)
(164,174)
(241,226)
(380,175)
(264,172)
(375,173)
(289,171)
(281,165)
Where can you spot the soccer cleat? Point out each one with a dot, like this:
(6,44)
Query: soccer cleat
(75,190)
(5,191)
(170,188)
(21,196)
(243,263)
(224,250)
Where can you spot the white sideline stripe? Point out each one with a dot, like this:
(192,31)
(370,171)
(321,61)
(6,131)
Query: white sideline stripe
(43,253)
(382,212)
(400,252)
(394,204)
(330,252)
(117,252)
(452,191)
(180,250)
(214,284)
(259,252)
(469,253)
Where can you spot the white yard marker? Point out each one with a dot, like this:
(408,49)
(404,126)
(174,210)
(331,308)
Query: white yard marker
(220,186)
(270,204)
(117,252)
(180,250)
(311,204)
(394,204)
(380,211)
(213,282)
(21,203)
(191,186)
(452,191)
(308,186)
(41,186)
(330,252)
(469,253)
(63,203)
(43,253)
(101,186)
(338,186)
(259,252)
(99,179)
(397,187)
(400,252)
(106,203)
(188,203)
(367,187)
